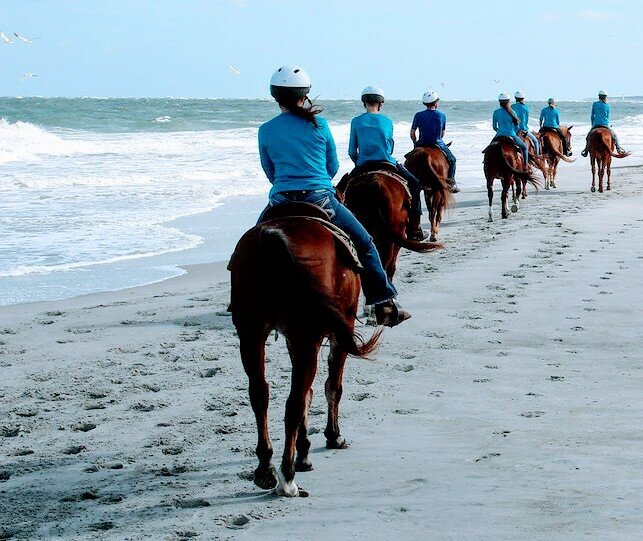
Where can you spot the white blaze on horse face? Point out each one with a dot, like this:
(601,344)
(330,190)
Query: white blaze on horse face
(286,488)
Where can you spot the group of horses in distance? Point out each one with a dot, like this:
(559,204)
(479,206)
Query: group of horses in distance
(292,274)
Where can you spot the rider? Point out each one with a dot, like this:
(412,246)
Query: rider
(522,112)
(299,157)
(371,141)
(550,120)
(504,123)
(431,123)
(601,118)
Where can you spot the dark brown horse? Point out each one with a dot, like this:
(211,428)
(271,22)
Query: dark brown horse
(381,201)
(534,159)
(600,145)
(551,147)
(503,160)
(292,275)
(430,166)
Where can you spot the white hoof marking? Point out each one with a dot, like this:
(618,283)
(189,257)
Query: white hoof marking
(286,488)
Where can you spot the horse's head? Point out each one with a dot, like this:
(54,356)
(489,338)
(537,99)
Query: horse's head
(567,133)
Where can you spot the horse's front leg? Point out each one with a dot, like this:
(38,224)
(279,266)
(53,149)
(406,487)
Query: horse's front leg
(515,194)
(524,189)
(303,355)
(490,195)
(334,387)
(592,159)
(601,172)
(302,462)
(252,348)
(505,196)
(554,172)
(608,166)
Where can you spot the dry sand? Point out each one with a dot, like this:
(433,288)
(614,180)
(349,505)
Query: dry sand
(508,408)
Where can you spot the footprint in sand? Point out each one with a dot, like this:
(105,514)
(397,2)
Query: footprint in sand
(358,397)
(532,414)
(487,456)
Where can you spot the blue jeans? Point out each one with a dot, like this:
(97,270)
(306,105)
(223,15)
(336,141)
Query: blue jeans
(414,187)
(375,284)
(450,158)
(534,140)
(523,148)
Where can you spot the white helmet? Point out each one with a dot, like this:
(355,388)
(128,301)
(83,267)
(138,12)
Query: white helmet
(430,96)
(373,94)
(503,96)
(602,93)
(291,80)
(519,95)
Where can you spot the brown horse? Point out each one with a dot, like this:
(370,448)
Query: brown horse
(430,166)
(534,159)
(291,274)
(600,145)
(503,160)
(381,201)
(551,147)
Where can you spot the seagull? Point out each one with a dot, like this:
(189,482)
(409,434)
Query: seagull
(497,81)
(234,70)
(5,39)
(24,39)
(443,85)
(28,75)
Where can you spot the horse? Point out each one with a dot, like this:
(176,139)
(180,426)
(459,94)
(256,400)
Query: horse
(381,201)
(502,160)
(534,158)
(291,274)
(600,145)
(551,147)
(430,166)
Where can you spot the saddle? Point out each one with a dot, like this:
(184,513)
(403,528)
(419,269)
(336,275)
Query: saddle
(368,167)
(300,210)
(501,139)
(437,147)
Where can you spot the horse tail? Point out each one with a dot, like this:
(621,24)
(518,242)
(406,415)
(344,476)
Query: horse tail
(298,291)
(522,175)
(561,155)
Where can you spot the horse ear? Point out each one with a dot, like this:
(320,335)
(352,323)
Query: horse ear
(570,127)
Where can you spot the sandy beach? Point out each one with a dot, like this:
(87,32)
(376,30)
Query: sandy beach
(508,408)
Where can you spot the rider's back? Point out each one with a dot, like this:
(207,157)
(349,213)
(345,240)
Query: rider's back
(371,139)
(431,123)
(522,112)
(600,114)
(549,117)
(503,123)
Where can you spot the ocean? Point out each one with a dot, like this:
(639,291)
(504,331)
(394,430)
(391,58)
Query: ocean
(102,194)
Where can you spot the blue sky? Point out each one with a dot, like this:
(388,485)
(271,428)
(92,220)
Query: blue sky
(565,48)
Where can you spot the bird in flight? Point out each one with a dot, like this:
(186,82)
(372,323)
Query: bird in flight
(29,75)
(234,70)
(24,39)
(5,39)
(497,81)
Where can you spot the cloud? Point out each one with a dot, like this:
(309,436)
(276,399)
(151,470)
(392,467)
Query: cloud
(593,15)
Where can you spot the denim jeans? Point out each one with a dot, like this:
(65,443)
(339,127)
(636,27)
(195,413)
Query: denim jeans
(375,284)
(414,187)
(534,140)
(523,148)
(450,158)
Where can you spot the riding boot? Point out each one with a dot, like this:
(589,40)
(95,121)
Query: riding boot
(414,229)
(453,185)
(390,313)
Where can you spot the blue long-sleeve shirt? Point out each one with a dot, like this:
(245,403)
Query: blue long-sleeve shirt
(549,117)
(522,112)
(371,139)
(431,124)
(503,123)
(296,155)
(600,114)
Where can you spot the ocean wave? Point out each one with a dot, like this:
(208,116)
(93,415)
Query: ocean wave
(163,119)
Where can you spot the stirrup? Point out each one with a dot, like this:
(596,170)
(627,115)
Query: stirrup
(390,313)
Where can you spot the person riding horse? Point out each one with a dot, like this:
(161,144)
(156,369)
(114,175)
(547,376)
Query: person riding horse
(298,155)
(550,120)
(521,109)
(601,118)
(504,122)
(371,144)
(431,124)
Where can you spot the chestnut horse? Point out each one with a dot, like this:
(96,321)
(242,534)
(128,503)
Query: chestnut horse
(430,166)
(551,147)
(534,159)
(290,274)
(381,201)
(503,160)
(600,145)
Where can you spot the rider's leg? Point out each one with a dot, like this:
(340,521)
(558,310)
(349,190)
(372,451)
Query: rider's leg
(524,150)
(534,140)
(618,147)
(450,158)
(413,230)
(564,141)
(584,152)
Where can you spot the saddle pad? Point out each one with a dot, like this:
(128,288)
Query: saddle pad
(363,178)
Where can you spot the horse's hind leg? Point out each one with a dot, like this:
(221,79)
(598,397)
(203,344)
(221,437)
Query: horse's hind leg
(505,196)
(490,195)
(592,159)
(601,173)
(608,166)
(302,462)
(524,189)
(433,219)
(303,354)
(336,361)
(253,356)
(515,194)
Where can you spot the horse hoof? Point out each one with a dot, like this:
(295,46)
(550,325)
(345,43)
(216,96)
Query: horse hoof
(433,238)
(303,465)
(600,190)
(593,189)
(266,478)
(608,188)
(514,208)
(371,321)
(287,488)
(337,443)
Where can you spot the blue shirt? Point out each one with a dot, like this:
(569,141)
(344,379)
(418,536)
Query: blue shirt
(503,123)
(371,139)
(549,117)
(296,155)
(600,114)
(431,124)
(522,112)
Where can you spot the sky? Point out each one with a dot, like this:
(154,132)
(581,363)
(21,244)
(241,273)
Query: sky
(568,49)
